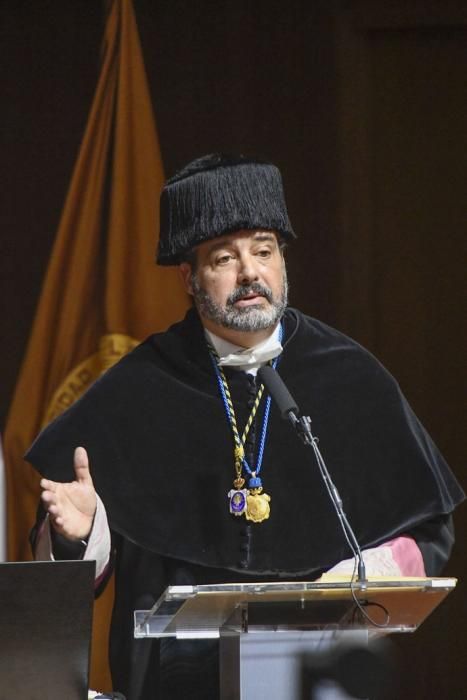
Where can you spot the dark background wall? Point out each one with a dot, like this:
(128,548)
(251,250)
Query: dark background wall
(362,105)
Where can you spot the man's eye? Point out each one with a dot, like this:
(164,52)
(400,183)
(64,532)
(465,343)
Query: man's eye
(223,259)
(264,253)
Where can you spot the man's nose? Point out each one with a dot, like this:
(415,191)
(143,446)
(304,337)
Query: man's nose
(247,271)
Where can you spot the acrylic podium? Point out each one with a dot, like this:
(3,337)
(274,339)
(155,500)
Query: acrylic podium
(268,632)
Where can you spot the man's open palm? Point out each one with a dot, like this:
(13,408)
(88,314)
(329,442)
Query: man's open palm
(72,505)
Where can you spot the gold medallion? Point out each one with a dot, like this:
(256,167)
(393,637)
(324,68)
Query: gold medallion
(257,506)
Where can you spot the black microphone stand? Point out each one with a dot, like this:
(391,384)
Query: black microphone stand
(302,425)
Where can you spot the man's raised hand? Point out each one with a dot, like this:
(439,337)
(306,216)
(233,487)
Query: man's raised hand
(71,506)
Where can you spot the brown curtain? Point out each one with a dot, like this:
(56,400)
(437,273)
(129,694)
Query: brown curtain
(102,292)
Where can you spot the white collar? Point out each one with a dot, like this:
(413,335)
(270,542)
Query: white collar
(246,359)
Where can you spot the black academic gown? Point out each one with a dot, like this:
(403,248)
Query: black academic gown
(161,454)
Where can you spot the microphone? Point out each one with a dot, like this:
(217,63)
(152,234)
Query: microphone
(279,392)
(289,411)
(286,404)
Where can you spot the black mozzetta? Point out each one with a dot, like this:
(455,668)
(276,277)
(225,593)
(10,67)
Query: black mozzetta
(160,451)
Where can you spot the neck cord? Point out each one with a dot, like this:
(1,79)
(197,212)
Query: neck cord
(251,502)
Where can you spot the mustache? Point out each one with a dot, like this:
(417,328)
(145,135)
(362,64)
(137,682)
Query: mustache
(253,288)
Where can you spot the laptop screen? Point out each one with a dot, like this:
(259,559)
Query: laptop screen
(45,629)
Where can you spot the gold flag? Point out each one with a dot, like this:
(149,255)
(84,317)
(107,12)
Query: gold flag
(102,292)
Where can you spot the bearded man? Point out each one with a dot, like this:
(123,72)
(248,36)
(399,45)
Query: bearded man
(198,478)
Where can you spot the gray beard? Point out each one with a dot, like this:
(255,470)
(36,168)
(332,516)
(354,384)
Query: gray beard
(247,318)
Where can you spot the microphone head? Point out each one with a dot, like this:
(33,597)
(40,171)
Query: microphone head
(278,391)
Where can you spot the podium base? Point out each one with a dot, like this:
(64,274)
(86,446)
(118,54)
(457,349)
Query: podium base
(295,665)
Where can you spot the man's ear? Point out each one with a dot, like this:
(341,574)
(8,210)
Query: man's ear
(185,272)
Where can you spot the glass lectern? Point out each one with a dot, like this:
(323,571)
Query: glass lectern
(269,631)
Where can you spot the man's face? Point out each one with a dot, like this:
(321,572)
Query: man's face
(239,281)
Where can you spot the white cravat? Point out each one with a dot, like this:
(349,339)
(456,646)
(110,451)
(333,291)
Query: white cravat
(246,359)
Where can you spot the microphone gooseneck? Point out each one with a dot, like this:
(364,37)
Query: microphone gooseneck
(302,424)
